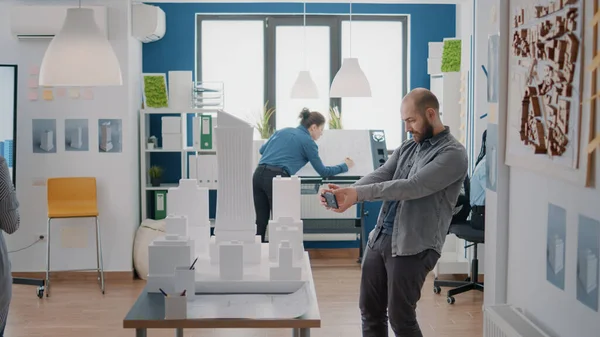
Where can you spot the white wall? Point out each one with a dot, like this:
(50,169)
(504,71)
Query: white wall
(528,194)
(117,174)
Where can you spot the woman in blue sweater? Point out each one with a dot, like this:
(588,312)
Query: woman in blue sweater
(284,154)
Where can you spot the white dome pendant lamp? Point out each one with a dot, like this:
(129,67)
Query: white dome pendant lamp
(80,55)
(350,80)
(304,87)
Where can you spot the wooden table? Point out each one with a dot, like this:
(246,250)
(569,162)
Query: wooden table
(148,312)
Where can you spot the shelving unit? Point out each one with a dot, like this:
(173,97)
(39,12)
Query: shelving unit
(213,103)
(447,88)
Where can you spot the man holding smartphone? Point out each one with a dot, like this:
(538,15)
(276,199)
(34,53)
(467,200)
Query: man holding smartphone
(419,185)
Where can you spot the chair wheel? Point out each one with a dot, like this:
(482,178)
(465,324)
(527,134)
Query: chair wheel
(40,292)
(450,300)
(437,289)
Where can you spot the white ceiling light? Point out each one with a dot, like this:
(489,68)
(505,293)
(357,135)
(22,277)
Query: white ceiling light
(350,80)
(305,87)
(80,55)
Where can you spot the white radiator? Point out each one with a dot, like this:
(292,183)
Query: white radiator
(507,321)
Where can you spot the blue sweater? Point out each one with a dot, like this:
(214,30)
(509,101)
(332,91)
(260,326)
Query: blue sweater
(291,148)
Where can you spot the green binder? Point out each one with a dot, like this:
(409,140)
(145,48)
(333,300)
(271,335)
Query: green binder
(206,140)
(160,205)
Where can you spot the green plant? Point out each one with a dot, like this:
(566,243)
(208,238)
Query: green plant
(335,118)
(155,172)
(263,124)
(451,56)
(155,91)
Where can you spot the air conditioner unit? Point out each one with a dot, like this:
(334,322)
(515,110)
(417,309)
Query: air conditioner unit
(149,23)
(37,22)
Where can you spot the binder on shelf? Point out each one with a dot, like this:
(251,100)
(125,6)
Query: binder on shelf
(160,205)
(206,133)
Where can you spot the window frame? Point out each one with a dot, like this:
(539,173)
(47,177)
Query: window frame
(333,21)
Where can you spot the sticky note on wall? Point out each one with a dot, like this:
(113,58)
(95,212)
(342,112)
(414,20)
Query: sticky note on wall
(48,95)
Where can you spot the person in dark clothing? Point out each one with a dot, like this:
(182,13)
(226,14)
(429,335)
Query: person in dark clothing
(285,153)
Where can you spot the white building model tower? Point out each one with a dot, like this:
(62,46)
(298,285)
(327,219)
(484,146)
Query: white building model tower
(47,142)
(233,260)
(77,138)
(106,137)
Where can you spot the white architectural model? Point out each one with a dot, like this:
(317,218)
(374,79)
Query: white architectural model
(588,270)
(191,201)
(233,260)
(106,137)
(556,252)
(76,138)
(47,143)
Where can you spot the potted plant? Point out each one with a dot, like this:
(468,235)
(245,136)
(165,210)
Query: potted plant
(262,125)
(335,118)
(155,173)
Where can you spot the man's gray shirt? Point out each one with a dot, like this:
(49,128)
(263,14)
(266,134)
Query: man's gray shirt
(435,169)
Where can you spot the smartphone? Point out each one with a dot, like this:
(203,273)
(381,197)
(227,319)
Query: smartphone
(330,199)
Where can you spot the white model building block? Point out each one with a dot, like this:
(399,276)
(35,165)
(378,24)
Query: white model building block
(252,251)
(556,251)
(176,225)
(164,254)
(286,197)
(286,229)
(285,271)
(231,261)
(106,137)
(76,138)
(47,142)
(170,125)
(191,201)
(588,270)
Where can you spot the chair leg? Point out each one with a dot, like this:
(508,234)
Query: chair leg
(48,258)
(99,262)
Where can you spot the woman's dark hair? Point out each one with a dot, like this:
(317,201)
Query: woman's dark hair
(308,118)
(483,145)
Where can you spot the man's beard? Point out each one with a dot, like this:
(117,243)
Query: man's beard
(426,134)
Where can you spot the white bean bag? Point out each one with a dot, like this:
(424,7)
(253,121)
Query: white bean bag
(148,231)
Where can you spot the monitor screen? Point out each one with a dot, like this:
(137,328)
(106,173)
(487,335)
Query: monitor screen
(8,115)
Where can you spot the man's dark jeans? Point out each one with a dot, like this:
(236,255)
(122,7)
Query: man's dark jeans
(392,285)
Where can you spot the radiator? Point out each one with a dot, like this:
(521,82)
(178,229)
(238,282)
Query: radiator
(506,321)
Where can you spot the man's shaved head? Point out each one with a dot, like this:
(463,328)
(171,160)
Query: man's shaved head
(421,114)
(423,99)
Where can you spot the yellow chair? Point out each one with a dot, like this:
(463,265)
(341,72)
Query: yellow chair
(73,198)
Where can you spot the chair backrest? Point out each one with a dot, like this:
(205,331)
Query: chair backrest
(71,189)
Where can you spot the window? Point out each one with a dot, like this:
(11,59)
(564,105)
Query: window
(258,58)
(378,47)
(232,52)
(290,59)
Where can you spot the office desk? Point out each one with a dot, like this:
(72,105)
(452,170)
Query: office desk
(148,312)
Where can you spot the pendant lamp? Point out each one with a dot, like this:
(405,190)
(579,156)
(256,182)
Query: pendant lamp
(304,87)
(80,55)
(350,80)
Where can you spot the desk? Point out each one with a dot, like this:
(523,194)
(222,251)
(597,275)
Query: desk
(148,312)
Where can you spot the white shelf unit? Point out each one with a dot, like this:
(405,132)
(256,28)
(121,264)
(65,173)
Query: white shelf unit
(145,152)
(447,87)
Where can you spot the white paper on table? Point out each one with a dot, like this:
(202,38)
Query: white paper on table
(250,306)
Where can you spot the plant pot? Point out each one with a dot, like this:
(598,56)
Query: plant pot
(155,182)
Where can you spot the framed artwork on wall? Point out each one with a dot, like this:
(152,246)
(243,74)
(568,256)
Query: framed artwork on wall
(545,60)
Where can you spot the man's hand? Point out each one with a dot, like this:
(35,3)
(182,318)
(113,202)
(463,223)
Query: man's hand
(346,197)
(330,188)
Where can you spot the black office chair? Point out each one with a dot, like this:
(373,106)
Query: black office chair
(473,231)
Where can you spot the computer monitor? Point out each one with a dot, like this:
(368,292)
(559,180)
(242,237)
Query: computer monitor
(8,116)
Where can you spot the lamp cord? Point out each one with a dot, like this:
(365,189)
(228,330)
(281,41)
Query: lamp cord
(305,53)
(350,29)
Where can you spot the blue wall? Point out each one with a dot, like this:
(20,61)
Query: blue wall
(176,50)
